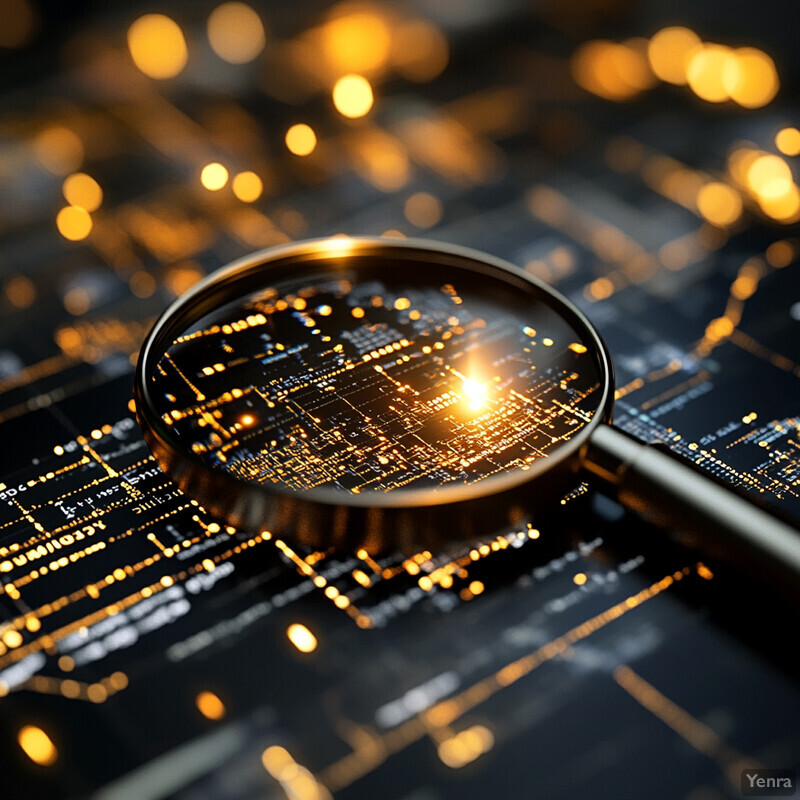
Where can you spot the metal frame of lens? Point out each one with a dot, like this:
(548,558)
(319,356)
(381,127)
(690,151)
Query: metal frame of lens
(324,516)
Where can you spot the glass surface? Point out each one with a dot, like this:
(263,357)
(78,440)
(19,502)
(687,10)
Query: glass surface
(365,385)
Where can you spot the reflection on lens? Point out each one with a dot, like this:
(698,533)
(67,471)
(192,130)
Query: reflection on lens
(364,385)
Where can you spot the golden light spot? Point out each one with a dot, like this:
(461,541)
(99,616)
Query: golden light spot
(719,329)
(214,176)
(208,565)
(463,748)
(780,254)
(579,579)
(547,342)
(20,291)
(423,210)
(247,419)
(302,638)
(719,203)
(356,42)
(419,50)
(157,46)
(58,149)
(788,141)
(278,762)
(97,693)
(210,706)
(402,303)
(599,289)
(247,187)
(474,392)
(769,176)
(785,208)
(301,140)
(750,77)
(82,190)
(669,52)
(12,638)
(357,312)
(576,347)
(704,572)
(74,223)
(611,70)
(236,33)
(476,587)
(352,96)
(705,70)
(37,745)
(324,311)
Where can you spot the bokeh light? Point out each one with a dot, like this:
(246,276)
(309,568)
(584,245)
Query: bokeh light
(750,78)
(214,176)
(669,52)
(82,190)
(705,71)
(719,203)
(788,141)
(157,46)
(356,42)
(300,139)
(236,33)
(247,187)
(74,223)
(37,745)
(352,96)
(58,149)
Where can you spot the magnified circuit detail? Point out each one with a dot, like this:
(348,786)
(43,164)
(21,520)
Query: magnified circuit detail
(374,386)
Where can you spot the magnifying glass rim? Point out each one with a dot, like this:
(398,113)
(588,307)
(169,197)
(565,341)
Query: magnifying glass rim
(181,313)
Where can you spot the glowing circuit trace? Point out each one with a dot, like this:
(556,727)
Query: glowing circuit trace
(371,385)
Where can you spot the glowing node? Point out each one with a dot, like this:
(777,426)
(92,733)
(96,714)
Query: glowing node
(301,637)
(236,33)
(210,706)
(788,141)
(82,190)
(352,96)
(247,187)
(157,46)
(214,176)
(301,140)
(37,745)
(74,223)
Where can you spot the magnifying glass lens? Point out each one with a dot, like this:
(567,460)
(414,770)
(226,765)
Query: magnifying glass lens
(363,382)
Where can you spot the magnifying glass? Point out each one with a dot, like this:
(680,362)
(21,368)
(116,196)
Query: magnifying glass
(402,393)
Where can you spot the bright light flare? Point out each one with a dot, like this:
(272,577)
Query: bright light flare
(475,393)
(352,96)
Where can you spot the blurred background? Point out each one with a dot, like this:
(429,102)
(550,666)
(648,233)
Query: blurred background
(642,157)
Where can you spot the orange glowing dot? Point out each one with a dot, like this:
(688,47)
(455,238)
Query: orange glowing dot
(301,140)
(301,637)
(20,291)
(236,33)
(705,72)
(611,70)
(247,419)
(750,78)
(788,141)
(579,579)
(356,42)
(82,190)
(719,204)
(669,52)
(12,638)
(214,176)
(352,96)
(474,393)
(476,587)
(157,46)
(58,149)
(423,210)
(247,187)
(37,745)
(74,223)
(576,347)
(210,706)
(769,177)
(357,312)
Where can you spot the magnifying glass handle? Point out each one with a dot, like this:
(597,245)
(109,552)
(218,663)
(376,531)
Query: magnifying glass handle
(665,489)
